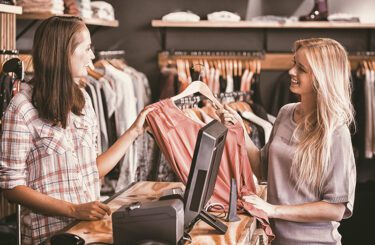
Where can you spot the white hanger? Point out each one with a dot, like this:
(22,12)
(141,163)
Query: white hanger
(202,88)
(267,126)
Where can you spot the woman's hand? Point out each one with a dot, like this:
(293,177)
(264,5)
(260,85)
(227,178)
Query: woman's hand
(229,116)
(259,203)
(140,126)
(90,211)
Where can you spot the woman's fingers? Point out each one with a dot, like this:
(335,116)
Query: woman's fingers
(105,208)
(251,198)
(145,111)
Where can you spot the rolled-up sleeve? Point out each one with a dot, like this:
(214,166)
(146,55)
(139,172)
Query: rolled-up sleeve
(15,146)
(264,150)
(340,179)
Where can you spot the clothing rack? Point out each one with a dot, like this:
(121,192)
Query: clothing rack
(236,95)
(111,54)
(167,58)
(196,99)
(364,54)
(190,101)
(269,61)
(220,54)
(8,52)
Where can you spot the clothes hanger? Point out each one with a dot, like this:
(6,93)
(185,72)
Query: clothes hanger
(187,69)
(243,80)
(101,63)
(224,69)
(189,112)
(210,111)
(240,68)
(93,73)
(267,126)
(235,68)
(197,113)
(117,63)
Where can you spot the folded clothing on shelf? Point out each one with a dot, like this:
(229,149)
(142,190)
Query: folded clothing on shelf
(223,16)
(343,17)
(181,16)
(42,6)
(275,18)
(102,10)
(78,7)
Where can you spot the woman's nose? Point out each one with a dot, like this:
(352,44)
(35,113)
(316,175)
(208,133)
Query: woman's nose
(292,71)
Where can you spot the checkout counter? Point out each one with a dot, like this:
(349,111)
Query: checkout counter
(241,232)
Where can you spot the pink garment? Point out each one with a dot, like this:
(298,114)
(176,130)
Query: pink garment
(176,135)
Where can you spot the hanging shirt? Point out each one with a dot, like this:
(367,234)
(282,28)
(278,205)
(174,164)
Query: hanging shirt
(369,140)
(176,135)
(339,182)
(57,162)
(125,115)
(141,85)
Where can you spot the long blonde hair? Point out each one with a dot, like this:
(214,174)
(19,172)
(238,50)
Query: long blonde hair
(331,80)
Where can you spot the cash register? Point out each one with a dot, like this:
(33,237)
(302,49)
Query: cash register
(176,212)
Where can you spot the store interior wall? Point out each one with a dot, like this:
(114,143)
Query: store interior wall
(142,42)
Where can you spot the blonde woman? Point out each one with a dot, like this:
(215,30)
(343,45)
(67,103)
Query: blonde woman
(309,162)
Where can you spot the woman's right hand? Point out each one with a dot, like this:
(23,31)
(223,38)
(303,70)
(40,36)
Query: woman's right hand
(90,211)
(140,124)
(229,116)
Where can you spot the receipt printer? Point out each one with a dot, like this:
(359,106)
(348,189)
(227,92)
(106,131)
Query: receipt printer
(161,221)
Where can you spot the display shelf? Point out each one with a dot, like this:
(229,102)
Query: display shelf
(96,22)
(256,24)
(10,9)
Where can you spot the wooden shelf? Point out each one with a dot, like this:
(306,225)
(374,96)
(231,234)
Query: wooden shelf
(42,16)
(10,9)
(256,24)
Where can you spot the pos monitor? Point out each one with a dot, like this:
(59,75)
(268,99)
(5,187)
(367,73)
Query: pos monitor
(202,176)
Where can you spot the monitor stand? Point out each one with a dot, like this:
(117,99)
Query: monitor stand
(212,221)
(203,215)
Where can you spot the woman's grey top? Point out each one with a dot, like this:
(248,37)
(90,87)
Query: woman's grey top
(339,182)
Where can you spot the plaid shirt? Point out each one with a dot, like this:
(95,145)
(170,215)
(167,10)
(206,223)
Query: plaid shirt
(57,162)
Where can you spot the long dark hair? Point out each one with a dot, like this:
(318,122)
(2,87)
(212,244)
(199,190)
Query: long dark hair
(54,92)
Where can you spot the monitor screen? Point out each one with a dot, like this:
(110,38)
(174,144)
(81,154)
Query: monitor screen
(203,172)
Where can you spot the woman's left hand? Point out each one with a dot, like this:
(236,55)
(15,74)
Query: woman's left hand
(259,203)
(140,125)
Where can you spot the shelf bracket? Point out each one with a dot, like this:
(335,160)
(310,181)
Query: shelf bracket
(31,24)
